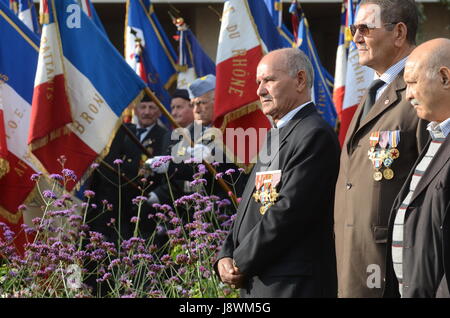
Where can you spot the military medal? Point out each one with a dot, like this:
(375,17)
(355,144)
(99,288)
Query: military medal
(266,193)
(394,140)
(388,174)
(394,153)
(377,164)
(374,155)
(378,176)
(388,162)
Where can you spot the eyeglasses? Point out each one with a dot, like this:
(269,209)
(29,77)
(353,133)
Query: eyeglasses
(364,29)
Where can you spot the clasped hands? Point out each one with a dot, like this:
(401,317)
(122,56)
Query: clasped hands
(229,273)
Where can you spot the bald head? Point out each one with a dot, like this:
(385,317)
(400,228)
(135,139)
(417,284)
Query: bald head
(284,79)
(427,75)
(432,55)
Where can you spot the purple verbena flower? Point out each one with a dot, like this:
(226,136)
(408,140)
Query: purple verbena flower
(36,176)
(229,172)
(48,194)
(89,193)
(118,161)
(57,177)
(134,219)
(197,182)
(69,174)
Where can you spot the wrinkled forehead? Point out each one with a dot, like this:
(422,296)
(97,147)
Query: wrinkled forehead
(270,68)
(369,14)
(412,68)
(204,98)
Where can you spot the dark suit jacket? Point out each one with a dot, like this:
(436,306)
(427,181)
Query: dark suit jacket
(289,251)
(426,231)
(105,182)
(362,205)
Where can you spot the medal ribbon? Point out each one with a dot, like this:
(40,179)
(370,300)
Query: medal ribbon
(395,138)
(374,138)
(384,139)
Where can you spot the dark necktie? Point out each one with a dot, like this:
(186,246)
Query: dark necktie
(140,132)
(371,97)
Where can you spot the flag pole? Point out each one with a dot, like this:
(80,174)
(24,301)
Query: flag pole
(175,124)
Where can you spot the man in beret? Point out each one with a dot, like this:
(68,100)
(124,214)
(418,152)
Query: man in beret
(201,92)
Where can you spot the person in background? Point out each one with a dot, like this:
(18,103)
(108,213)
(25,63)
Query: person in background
(182,108)
(105,181)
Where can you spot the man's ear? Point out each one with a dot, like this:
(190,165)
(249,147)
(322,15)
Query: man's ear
(444,77)
(301,79)
(400,33)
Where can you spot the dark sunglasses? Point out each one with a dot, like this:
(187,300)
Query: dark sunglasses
(364,29)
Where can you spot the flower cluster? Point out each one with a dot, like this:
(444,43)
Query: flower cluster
(64,257)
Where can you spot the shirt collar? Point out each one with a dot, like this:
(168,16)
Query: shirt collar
(439,130)
(389,76)
(147,128)
(284,120)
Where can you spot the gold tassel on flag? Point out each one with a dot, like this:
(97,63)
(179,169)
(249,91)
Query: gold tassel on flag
(43,12)
(4,167)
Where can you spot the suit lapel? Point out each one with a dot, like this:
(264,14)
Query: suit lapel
(436,165)
(389,98)
(285,131)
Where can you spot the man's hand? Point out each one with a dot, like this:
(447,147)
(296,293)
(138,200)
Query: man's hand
(230,274)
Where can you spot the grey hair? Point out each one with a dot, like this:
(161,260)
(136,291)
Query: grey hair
(438,58)
(405,11)
(297,61)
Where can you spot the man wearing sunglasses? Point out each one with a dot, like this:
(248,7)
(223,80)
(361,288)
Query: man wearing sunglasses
(382,143)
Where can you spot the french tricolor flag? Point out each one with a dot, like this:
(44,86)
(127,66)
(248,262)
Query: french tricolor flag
(81,88)
(247,33)
(351,78)
(19,49)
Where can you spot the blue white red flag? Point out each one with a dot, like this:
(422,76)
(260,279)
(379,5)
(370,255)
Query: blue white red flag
(148,50)
(193,62)
(82,86)
(26,11)
(19,49)
(247,33)
(321,92)
(351,78)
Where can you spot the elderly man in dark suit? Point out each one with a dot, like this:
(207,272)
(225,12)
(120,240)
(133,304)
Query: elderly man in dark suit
(281,243)
(382,143)
(419,227)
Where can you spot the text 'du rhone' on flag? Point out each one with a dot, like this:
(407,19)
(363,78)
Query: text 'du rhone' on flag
(18,60)
(247,33)
(82,86)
